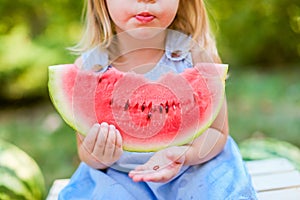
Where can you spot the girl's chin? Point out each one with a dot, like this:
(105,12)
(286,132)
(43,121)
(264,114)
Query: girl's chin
(145,33)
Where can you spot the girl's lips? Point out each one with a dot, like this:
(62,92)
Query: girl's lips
(144,17)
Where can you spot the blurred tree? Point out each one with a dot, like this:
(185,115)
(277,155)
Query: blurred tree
(262,33)
(33,35)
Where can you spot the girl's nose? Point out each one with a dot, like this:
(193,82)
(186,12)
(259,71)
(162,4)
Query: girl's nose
(147,1)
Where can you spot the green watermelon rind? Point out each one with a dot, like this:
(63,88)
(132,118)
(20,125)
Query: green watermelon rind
(18,166)
(12,186)
(57,98)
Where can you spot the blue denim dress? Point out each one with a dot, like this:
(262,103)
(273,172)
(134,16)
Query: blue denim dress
(223,177)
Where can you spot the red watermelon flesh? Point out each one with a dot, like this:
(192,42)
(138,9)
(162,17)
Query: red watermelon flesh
(150,115)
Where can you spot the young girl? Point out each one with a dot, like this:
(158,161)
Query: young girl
(136,35)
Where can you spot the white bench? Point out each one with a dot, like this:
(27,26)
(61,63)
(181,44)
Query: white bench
(273,179)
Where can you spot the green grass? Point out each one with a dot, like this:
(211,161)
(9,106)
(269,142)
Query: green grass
(264,103)
(259,104)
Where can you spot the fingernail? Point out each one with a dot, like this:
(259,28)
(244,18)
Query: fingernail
(104,124)
(112,127)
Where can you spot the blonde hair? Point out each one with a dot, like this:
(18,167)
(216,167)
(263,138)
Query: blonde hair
(191,19)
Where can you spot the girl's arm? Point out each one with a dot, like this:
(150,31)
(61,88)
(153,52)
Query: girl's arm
(211,142)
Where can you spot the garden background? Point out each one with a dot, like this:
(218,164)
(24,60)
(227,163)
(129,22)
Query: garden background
(260,39)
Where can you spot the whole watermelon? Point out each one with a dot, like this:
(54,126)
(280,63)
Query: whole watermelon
(264,148)
(20,176)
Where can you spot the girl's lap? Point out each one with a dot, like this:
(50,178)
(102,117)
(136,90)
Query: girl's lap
(222,177)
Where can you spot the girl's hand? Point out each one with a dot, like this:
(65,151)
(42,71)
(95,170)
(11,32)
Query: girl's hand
(101,147)
(162,166)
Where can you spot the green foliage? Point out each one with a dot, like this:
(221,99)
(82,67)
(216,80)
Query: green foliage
(34,35)
(263,33)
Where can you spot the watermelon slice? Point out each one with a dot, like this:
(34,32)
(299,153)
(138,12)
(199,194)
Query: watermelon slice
(150,115)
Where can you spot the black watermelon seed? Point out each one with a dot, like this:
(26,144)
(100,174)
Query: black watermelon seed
(195,97)
(143,107)
(149,115)
(160,108)
(126,105)
(167,108)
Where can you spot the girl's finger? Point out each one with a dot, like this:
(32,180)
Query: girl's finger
(118,146)
(89,141)
(137,178)
(80,137)
(101,140)
(110,142)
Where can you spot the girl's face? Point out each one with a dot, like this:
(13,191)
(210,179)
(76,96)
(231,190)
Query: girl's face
(139,15)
